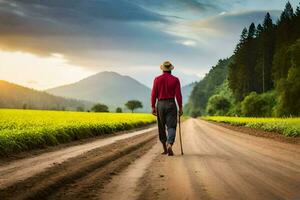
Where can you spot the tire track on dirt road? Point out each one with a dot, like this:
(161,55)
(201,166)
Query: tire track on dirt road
(124,185)
(78,177)
(21,169)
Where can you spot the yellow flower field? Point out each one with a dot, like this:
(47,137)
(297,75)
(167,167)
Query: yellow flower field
(28,129)
(287,126)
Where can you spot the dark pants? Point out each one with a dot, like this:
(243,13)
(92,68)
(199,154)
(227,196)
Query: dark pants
(167,118)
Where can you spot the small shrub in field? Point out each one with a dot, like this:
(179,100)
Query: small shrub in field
(100,108)
(119,110)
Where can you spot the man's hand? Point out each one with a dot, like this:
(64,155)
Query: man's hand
(154,112)
(180,112)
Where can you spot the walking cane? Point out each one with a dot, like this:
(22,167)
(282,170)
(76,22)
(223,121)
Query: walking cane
(180,135)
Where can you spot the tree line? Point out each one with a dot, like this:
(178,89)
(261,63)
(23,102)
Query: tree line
(206,88)
(130,105)
(267,59)
(261,78)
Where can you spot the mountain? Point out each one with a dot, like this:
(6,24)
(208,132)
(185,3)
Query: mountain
(186,92)
(16,96)
(207,87)
(109,88)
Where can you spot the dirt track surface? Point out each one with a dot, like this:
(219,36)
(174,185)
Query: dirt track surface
(24,168)
(224,164)
(218,163)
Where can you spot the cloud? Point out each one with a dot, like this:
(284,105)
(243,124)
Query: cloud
(194,5)
(218,35)
(121,34)
(185,9)
(226,28)
(88,33)
(188,43)
(33,71)
(230,22)
(84,10)
(60,17)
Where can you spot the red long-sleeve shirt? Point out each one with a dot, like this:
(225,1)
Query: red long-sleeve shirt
(166,86)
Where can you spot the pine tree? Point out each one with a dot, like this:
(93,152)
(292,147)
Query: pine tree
(243,38)
(244,35)
(268,48)
(297,23)
(251,32)
(285,27)
(250,61)
(268,23)
(288,12)
(297,13)
(284,38)
(236,75)
(259,30)
(242,76)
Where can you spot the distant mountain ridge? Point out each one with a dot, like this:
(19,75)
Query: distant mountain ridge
(109,88)
(16,96)
(186,92)
(112,89)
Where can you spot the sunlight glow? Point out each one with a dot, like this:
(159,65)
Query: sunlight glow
(39,72)
(189,43)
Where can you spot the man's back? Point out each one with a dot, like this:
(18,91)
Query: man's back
(166,86)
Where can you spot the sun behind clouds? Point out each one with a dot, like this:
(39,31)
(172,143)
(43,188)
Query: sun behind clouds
(39,72)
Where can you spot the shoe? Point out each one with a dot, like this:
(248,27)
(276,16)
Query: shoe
(165,149)
(170,151)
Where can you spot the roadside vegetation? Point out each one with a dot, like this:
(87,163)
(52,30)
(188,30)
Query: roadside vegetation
(261,78)
(22,130)
(289,127)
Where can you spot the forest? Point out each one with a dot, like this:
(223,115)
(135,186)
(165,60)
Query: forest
(261,78)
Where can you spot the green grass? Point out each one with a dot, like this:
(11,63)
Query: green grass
(22,130)
(289,127)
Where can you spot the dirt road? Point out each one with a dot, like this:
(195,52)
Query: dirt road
(24,168)
(218,164)
(223,164)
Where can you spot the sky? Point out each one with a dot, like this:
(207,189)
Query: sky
(47,43)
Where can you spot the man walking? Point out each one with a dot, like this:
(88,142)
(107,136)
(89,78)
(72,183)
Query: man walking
(166,88)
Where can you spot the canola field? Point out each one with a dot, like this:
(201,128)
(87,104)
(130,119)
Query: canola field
(289,127)
(22,130)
